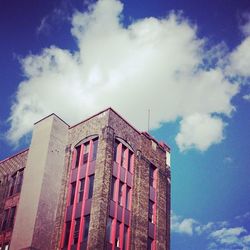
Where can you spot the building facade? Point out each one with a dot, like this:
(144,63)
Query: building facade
(100,184)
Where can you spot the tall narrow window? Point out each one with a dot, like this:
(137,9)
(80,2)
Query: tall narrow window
(125,239)
(67,233)
(78,151)
(151,175)
(113,188)
(12,184)
(129,160)
(128,197)
(12,216)
(91,186)
(150,243)
(109,227)
(81,189)
(120,193)
(76,232)
(73,191)
(123,156)
(86,227)
(86,152)
(117,234)
(94,152)
(151,211)
(115,150)
(5,219)
(19,181)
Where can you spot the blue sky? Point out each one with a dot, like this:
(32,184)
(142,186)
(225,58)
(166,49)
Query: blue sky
(188,61)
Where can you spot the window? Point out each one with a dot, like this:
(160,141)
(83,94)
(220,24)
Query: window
(115,150)
(81,190)
(86,152)
(86,227)
(12,184)
(129,160)
(67,233)
(120,193)
(123,156)
(5,219)
(150,243)
(91,186)
(125,239)
(109,227)
(76,232)
(12,216)
(94,152)
(117,234)
(78,151)
(128,197)
(151,211)
(19,181)
(151,175)
(72,195)
(113,188)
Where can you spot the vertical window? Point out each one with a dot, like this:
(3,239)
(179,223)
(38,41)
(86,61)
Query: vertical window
(91,186)
(120,193)
(123,156)
(86,227)
(151,211)
(125,239)
(128,197)
(129,160)
(76,232)
(113,188)
(19,181)
(115,150)
(67,233)
(94,153)
(86,152)
(12,184)
(5,219)
(151,175)
(12,216)
(117,234)
(81,190)
(6,246)
(109,227)
(78,151)
(72,195)
(150,243)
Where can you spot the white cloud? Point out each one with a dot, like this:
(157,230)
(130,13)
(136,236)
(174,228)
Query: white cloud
(199,131)
(246,97)
(245,28)
(153,63)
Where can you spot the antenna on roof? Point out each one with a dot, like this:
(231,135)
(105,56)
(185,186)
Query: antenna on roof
(148,120)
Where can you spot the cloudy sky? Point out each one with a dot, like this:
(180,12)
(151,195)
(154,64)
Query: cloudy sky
(186,61)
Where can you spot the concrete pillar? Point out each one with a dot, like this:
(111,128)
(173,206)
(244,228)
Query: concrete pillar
(36,212)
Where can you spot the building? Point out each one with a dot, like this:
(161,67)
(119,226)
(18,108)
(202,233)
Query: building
(100,184)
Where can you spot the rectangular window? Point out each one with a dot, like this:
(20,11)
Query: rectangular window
(73,191)
(109,228)
(151,175)
(91,186)
(115,150)
(150,243)
(76,232)
(120,193)
(5,219)
(113,188)
(125,239)
(67,233)
(78,151)
(6,246)
(117,234)
(129,160)
(123,156)
(12,184)
(12,216)
(81,190)
(94,152)
(151,211)
(19,181)
(128,191)
(86,152)
(86,227)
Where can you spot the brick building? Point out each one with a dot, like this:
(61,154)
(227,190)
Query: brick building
(100,184)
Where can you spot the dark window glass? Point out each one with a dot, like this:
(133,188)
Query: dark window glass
(128,197)
(12,184)
(150,211)
(19,181)
(129,160)
(115,150)
(151,175)
(109,227)
(123,156)
(91,186)
(125,239)
(78,151)
(5,219)
(117,234)
(76,232)
(149,243)
(113,188)
(94,153)
(67,232)
(12,216)
(81,190)
(85,152)
(120,193)
(73,191)
(86,227)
